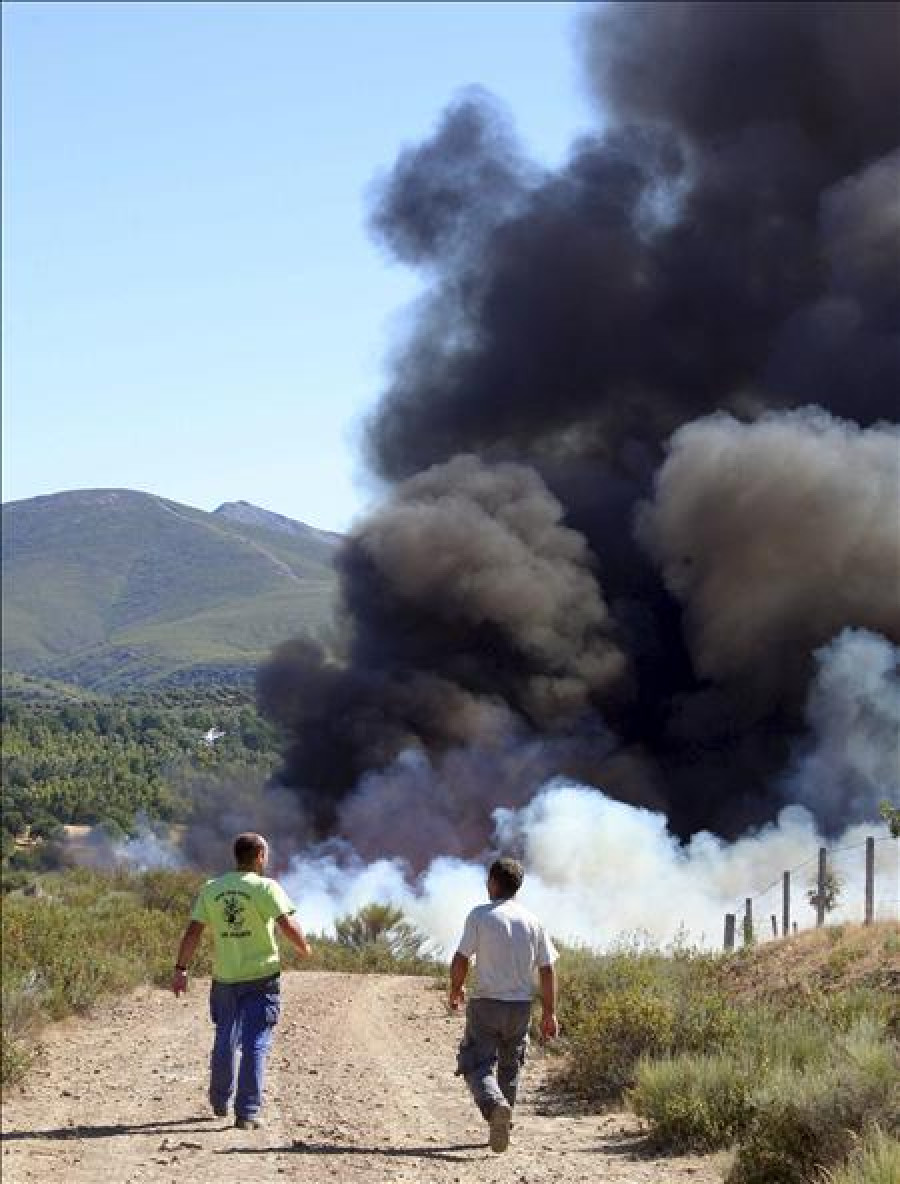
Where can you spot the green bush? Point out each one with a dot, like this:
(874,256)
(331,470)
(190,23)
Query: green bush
(15,1058)
(876,1161)
(170,891)
(773,1038)
(22,997)
(634,1002)
(585,977)
(87,935)
(374,958)
(842,1010)
(607,1045)
(694,1102)
(81,953)
(806,1121)
(705,1022)
(370,924)
(382,935)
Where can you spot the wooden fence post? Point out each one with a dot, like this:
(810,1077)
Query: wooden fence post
(774,925)
(870,880)
(785,904)
(748,921)
(729,931)
(820,888)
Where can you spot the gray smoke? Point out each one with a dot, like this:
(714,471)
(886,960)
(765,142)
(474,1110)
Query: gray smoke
(775,536)
(648,326)
(500,562)
(850,763)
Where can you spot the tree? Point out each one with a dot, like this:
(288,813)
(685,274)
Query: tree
(370,924)
(891,815)
(831,888)
(382,925)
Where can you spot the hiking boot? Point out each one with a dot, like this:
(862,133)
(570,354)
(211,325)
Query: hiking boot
(248,1124)
(501,1117)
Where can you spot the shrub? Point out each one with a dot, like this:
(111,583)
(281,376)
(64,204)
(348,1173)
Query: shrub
(634,1002)
(15,1059)
(585,977)
(706,1022)
(21,1000)
(876,1161)
(374,958)
(607,1045)
(842,1010)
(371,923)
(383,925)
(87,935)
(170,891)
(803,1122)
(694,1102)
(775,1039)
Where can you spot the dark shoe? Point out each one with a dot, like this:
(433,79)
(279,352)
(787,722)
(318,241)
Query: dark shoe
(220,1111)
(248,1124)
(501,1117)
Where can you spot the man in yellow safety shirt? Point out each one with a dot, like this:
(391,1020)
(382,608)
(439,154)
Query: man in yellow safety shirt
(242,907)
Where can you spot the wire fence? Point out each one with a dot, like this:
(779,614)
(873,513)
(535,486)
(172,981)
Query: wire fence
(859,882)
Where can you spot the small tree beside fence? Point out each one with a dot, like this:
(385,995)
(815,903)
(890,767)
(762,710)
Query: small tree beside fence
(823,894)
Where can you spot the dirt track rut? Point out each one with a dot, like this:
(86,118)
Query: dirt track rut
(360,1088)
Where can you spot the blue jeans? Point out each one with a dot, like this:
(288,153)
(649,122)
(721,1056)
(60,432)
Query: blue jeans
(244,1014)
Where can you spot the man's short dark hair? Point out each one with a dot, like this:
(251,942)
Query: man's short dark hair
(247,846)
(508,875)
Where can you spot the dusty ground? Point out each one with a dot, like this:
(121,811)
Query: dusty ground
(360,1088)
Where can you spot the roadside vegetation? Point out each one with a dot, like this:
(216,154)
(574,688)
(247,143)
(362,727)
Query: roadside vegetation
(787,1054)
(796,1070)
(75,937)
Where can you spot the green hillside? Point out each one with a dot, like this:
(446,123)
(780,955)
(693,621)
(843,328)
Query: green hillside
(112,588)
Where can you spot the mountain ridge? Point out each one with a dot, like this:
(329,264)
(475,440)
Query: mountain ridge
(108,588)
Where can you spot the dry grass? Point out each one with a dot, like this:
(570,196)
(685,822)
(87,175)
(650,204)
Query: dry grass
(834,958)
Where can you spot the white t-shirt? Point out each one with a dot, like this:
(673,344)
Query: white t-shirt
(508,943)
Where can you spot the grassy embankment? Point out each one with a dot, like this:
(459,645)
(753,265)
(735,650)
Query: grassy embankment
(788,1053)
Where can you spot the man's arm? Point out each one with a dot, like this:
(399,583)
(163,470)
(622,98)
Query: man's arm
(186,950)
(459,968)
(292,931)
(549,1022)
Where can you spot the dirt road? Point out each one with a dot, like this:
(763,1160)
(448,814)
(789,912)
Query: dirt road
(360,1088)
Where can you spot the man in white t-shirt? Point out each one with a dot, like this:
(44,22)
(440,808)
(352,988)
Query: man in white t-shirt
(507,944)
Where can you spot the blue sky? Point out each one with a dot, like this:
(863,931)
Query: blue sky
(192,303)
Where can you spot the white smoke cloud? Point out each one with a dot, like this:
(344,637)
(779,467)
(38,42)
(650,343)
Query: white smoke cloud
(152,847)
(147,851)
(598,869)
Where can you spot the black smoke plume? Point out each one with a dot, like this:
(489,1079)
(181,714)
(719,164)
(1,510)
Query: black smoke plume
(612,530)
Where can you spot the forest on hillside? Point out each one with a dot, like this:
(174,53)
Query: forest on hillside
(119,762)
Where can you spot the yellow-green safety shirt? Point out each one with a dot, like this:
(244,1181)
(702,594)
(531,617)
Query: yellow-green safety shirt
(241,908)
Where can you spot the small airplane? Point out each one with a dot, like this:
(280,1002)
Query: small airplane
(210,737)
